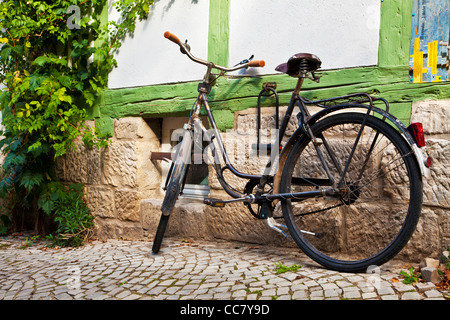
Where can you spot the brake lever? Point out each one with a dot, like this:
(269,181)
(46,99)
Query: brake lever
(245,61)
(185,46)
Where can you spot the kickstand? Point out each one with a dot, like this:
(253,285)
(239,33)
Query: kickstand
(277,227)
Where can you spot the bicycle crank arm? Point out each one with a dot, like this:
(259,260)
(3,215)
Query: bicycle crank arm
(213,202)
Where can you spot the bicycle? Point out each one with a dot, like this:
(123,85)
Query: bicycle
(348,180)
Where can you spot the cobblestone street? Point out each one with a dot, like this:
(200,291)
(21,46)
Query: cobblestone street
(186,270)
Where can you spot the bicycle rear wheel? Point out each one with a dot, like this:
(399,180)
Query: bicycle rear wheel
(376,216)
(180,164)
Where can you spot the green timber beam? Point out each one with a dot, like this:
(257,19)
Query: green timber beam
(219,31)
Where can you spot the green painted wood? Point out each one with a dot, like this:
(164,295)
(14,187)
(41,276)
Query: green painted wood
(395,33)
(234,95)
(218,33)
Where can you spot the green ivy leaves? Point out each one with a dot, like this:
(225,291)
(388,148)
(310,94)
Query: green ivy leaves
(52,75)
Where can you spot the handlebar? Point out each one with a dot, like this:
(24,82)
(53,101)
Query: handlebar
(172,37)
(257,63)
(185,49)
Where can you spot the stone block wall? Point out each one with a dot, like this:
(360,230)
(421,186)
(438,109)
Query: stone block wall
(435,117)
(124,193)
(117,178)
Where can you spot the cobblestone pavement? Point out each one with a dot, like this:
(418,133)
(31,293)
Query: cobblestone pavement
(194,270)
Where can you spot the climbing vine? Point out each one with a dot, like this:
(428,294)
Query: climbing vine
(55,58)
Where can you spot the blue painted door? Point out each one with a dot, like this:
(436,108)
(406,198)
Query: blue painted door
(430,37)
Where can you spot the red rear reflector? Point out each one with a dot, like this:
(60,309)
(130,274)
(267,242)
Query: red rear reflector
(417,131)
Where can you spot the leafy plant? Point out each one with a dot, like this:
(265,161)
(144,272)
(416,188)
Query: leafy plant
(409,277)
(28,242)
(73,216)
(280,268)
(53,68)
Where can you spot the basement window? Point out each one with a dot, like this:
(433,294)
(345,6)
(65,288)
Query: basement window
(196,186)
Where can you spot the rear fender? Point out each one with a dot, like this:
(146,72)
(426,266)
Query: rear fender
(398,124)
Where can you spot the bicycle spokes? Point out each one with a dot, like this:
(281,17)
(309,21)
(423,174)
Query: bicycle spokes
(374,196)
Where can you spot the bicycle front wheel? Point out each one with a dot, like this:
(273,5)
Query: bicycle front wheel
(179,169)
(377,213)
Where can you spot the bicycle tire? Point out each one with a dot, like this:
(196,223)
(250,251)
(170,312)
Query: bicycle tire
(377,218)
(157,241)
(181,162)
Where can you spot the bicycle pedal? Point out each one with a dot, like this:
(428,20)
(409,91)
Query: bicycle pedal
(214,202)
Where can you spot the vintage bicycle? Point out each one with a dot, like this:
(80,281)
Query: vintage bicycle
(348,180)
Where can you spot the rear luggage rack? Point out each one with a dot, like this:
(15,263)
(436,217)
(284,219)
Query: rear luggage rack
(268,87)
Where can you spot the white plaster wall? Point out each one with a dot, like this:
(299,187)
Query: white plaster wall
(148,58)
(342,33)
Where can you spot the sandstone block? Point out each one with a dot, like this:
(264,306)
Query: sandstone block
(115,229)
(130,230)
(426,239)
(429,263)
(437,188)
(246,121)
(132,128)
(189,216)
(100,200)
(433,114)
(234,222)
(150,214)
(120,164)
(127,204)
(105,229)
(148,173)
(80,165)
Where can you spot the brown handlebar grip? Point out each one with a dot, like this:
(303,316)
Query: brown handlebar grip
(172,37)
(257,63)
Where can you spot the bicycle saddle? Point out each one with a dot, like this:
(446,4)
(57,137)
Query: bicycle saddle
(299,64)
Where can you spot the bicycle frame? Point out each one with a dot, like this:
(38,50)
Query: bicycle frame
(265,178)
(305,119)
